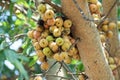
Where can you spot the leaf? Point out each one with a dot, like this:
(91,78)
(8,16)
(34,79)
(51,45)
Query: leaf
(13,1)
(29,50)
(1,30)
(2,58)
(29,13)
(58,2)
(33,61)
(13,58)
(80,66)
(23,58)
(3,45)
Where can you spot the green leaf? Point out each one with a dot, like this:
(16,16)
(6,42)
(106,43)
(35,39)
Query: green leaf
(80,66)
(3,45)
(13,58)
(2,58)
(13,1)
(58,2)
(29,13)
(29,50)
(23,58)
(33,61)
(1,30)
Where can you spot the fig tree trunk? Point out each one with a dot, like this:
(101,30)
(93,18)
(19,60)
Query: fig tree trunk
(114,42)
(89,46)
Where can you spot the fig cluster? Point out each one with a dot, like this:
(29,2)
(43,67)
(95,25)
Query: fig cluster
(52,39)
(105,29)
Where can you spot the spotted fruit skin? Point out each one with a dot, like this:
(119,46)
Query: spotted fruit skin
(44,66)
(49,14)
(42,8)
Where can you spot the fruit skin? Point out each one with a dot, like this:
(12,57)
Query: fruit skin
(49,14)
(46,26)
(64,55)
(105,28)
(49,38)
(111,25)
(59,41)
(67,60)
(43,17)
(41,59)
(58,22)
(57,57)
(38,78)
(39,28)
(44,66)
(99,5)
(113,66)
(77,57)
(66,46)
(36,46)
(43,43)
(51,29)
(30,34)
(118,23)
(53,46)
(81,77)
(56,32)
(36,34)
(51,22)
(111,60)
(66,31)
(72,51)
(93,8)
(40,53)
(47,51)
(44,34)
(105,22)
(42,8)
(103,38)
(93,1)
(109,34)
(67,23)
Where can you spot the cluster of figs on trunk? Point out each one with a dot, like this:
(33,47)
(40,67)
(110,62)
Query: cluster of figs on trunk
(52,38)
(105,30)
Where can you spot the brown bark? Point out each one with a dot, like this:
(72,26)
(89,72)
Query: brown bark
(114,42)
(90,47)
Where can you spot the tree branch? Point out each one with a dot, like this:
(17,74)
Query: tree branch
(24,11)
(56,7)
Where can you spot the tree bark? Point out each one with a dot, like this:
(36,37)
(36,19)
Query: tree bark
(89,46)
(114,42)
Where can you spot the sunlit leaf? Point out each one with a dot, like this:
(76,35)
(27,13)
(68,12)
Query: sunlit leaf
(33,60)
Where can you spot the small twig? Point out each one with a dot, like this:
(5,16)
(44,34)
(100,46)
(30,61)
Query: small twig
(76,41)
(59,76)
(75,73)
(49,68)
(56,7)
(20,35)
(24,11)
(59,69)
(68,70)
(117,67)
